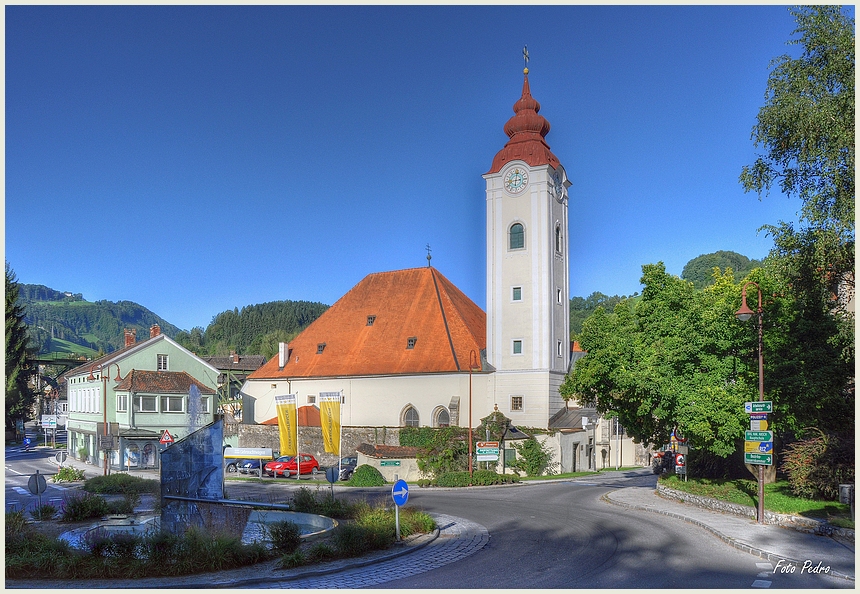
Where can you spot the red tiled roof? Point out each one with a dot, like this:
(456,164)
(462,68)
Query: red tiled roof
(417,302)
(387,451)
(309,416)
(160,382)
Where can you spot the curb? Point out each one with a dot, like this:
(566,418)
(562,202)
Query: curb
(761,553)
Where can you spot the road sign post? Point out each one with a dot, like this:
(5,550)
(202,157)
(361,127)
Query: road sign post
(400,494)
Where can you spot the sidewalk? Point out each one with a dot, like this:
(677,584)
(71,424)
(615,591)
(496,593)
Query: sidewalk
(774,543)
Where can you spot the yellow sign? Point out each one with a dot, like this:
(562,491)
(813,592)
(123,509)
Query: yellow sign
(758,425)
(288,424)
(752,446)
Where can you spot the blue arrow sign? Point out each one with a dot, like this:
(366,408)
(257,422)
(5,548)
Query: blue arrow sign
(758,416)
(400,493)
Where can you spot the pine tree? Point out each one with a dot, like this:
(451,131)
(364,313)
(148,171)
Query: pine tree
(19,395)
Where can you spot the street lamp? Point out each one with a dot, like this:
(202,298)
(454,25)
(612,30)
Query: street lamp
(473,364)
(744,314)
(105,372)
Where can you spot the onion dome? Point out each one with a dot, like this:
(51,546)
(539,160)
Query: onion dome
(527,130)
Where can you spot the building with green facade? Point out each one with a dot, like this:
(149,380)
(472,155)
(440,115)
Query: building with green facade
(123,405)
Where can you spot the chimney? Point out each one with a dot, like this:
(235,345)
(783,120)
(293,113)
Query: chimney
(283,353)
(129,336)
(234,358)
(154,330)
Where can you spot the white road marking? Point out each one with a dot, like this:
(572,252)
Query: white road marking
(761,584)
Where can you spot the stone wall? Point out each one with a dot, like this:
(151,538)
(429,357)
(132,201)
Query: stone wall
(810,525)
(311,441)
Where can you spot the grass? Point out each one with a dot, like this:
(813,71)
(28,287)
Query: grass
(777,498)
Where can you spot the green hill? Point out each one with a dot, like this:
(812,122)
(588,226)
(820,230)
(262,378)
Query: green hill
(66,322)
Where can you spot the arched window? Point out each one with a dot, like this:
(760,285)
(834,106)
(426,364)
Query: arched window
(443,418)
(517,235)
(410,417)
(558,238)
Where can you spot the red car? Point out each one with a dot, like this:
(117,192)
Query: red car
(286,466)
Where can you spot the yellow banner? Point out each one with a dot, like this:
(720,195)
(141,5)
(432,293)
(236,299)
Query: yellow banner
(330,421)
(288,424)
(752,446)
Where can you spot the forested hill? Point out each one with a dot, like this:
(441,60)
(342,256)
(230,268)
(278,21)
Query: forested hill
(65,322)
(56,318)
(255,329)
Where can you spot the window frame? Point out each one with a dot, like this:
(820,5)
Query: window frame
(514,343)
(169,398)
(514,297)
(517,399)
(162,362)
(406,414)
(122,402)
(139,399)
(521,234)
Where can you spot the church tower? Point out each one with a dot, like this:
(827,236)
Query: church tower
(528,311)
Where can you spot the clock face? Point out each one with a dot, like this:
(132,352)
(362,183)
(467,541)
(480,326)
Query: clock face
(516,180)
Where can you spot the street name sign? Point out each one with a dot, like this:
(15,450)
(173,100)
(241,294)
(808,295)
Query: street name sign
(758,435)
(762,406)
(248,453)
(753,458)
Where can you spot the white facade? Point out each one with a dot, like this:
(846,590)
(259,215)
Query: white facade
(528,317)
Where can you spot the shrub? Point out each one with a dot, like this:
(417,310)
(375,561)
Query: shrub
(816,466)
(366,476)
(285,537)
(15,524)
(121,483)
(534,458)
(83,453)
(306,501)
(321,552)
(84,507)
(44,512)
(296,559)
(352,540)
(486,477)
(68,474)
(453,479)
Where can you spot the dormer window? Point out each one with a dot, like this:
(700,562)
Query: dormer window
(370,320)
(410,342)
(320,348)
(161,363)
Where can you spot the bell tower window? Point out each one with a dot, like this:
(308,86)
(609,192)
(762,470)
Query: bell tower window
(517,237)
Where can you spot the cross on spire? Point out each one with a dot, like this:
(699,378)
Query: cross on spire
(526,59)
(428,254)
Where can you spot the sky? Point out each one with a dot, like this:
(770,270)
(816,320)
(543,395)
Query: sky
(194,159)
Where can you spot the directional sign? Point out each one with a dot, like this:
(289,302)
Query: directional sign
(765,447)
(487,444)
(389,463)
(758,435)
(49,421)
(752,446)
(166,437)
(400,493)
(758,416)
(758,425)
(753,458)
(763,406)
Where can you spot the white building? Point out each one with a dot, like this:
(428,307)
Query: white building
(407,348)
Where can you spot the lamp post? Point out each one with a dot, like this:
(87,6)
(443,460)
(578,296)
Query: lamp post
(473,364)
(105,372)
(744,314)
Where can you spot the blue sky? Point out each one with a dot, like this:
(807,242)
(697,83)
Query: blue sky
(195,159)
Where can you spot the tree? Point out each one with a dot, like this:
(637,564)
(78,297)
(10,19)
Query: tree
(672,361)
(19,395)
(806,129)
(700,270)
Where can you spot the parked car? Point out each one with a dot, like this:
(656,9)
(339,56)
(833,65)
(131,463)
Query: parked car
(231,465)
(250,466)
(285,466)
(347,467)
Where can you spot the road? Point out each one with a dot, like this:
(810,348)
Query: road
(562,535)
(542,535)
